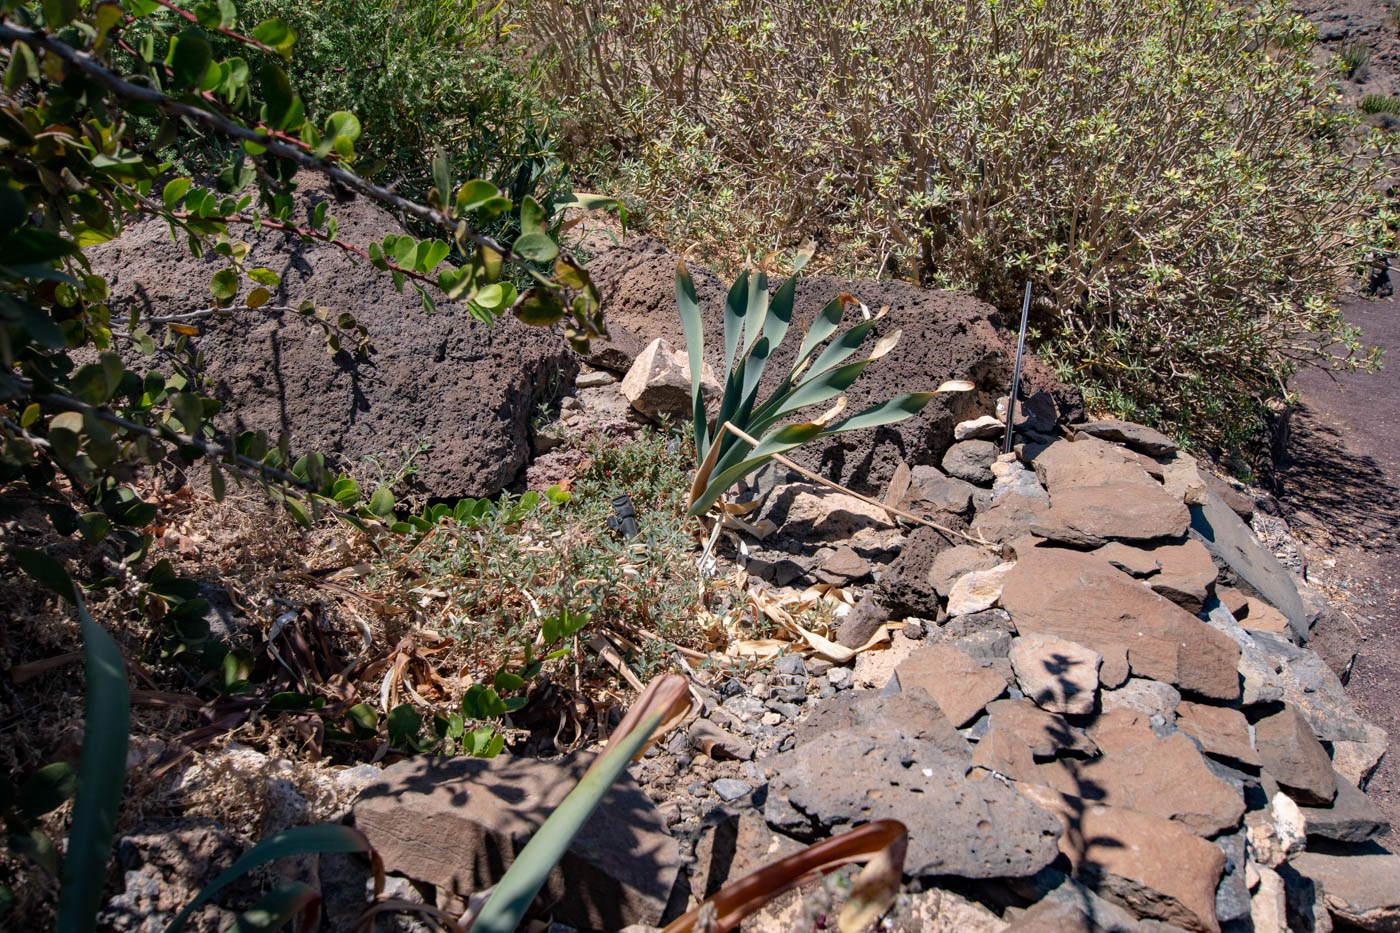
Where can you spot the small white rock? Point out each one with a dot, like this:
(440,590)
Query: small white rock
(983,428)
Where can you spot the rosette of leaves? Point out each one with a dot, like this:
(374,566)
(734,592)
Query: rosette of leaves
(755,323)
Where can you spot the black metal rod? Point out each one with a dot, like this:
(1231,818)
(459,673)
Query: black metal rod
(1016,373)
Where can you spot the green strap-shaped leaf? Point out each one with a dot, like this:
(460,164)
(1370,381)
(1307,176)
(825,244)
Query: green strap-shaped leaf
(758,310)
(888,412)
(837,352)
(775,325)
(511,898)
(689,306)
(736,306)
(823,326)
(101,777)
(840,349)
(779,441)
(741,390)
(295,841)
(278,906)
(819,388)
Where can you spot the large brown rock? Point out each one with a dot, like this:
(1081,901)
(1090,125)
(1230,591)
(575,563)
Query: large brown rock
(1086,461)
(1081,598)
(909,714)
(1148,864)
(946,335)
(1089,516)
(1136,436)
(1045,733)
(466,387)
(1187,576)
(1291,753)
(972,829)
(458,823)
(1361,889)
(962,687)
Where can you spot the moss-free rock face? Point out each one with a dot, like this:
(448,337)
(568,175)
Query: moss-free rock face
(465,387)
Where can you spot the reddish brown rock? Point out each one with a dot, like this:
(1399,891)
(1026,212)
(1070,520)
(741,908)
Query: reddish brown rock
(1291,753)
(1233,600)
(1118,729)
(1087,461)
(1188,574)
(1080,598)
(1261,617)
(1164,777)
(1046,734)
(1361,889)
(1134,561)
(1088,516)
(961,686)
(1222,732)
(956,561)
(1135,436)
(1149,864)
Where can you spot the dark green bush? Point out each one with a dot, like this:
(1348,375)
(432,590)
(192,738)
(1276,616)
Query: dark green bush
(446,74)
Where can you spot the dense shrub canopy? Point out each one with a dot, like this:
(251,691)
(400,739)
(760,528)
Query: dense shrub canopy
(1170,175)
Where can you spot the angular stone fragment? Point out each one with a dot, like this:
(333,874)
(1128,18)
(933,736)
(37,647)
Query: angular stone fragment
(1080,598)
(1045,733)
(1361,889)
(1222,732)
(985,428)
(1149,864)
(717,743)
(972,829)
(1293,756)
(961,686)
(1136,436)
(1182,478)
(1087,461)
(909,714)
(1276,832)
(1058,675)
(1010,516)
(905,588)
(1188,574)
(658,383)
(930,487)
(1261,676)
(1233,542)
(1353,817)
(1261,617)
(1073,908)
(1336,639)
(1357,761)
(971,461)
(935,910)
(458,823)
(1165,777)
(1012,478)
(1119,729)
(862,622)
(1088,516)
(843,567)
(1149,697)
(950,565)
(1268,908)
(1310,686)
(977,590)
(1134,561)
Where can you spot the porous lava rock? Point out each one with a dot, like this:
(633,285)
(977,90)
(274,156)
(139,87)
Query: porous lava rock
(465,387)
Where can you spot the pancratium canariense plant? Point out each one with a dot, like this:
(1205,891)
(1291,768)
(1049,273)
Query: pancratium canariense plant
(747,433)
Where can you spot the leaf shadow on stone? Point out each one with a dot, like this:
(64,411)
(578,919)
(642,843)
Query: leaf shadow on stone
(458,824)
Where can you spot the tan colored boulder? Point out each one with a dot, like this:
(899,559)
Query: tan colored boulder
(1115,730)
(1080,598)
(1058,675)
(1009,517)
(1086,461)
(1268,907)
(1261,617)
(1151,865)
(962,687)
(949,566)
(1275,833)
(1134,561)
(659,382)
(976,590)
(1187,576)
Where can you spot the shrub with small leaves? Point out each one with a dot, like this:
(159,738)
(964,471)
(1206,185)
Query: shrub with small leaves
(1174,178)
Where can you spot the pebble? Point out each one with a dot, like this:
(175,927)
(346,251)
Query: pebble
(770,719)
(730,789)
(792,665)
(786,710)
(840,677)
(594,380)
(745,707)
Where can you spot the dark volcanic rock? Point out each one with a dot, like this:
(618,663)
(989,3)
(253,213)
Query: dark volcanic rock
(467,387)
(1296,759)
(946,335)
(458,823)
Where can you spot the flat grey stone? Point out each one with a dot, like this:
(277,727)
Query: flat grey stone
(1233,542)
